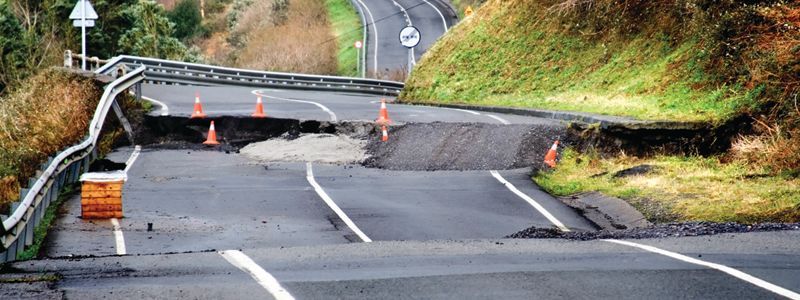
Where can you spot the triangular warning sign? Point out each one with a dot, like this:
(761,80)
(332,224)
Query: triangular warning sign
(76,12)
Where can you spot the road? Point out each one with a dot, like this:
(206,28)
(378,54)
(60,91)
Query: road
(385,18)
(226,227)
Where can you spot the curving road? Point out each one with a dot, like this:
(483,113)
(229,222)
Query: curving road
(385,18)
(225,227)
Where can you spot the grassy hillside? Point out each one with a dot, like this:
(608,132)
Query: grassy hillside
(678,60)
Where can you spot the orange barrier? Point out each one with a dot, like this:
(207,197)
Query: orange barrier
(198,108)
(550,157)
(212,136)
(259,113)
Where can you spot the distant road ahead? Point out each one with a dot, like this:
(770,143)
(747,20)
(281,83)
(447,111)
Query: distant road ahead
(385,19)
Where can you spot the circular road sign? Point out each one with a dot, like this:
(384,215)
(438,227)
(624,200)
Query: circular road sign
(359,44)
(410,37)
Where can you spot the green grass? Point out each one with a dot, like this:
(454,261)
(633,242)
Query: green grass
(681,188)
(502,58)
(40,232)
(347,29)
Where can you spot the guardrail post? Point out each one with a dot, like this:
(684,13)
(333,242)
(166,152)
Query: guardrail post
(68,59)
(137,90)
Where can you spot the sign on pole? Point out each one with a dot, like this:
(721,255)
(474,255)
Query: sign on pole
(358,46)
(83,15)
(410,37)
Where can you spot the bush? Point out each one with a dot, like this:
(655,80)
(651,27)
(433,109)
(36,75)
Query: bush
(186,16)
(151,34)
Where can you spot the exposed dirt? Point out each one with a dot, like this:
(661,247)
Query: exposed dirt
(322,148)
(658,231)
(462,146)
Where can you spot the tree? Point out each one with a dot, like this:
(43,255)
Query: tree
(11,45)
(151,34)
(187,19)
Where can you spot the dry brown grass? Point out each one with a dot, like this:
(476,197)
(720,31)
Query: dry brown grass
(47,113)
(296,45)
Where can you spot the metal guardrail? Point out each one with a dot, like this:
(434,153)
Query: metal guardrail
(16,230)
(161,71)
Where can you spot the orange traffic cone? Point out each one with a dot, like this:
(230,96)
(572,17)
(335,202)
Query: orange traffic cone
(383,117)
(259,113)
(212,136)
(550,157)
(198,108)
(385,133)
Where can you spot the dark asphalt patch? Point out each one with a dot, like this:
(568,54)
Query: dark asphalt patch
(658,231)
(463,146)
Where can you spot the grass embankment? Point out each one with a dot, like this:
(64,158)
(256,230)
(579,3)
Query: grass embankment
(47,113)
(681,188)
(347,29)
(643,59)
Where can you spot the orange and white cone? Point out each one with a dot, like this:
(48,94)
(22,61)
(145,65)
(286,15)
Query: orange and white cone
(259,113)
(550,157)
(383,116)
(384,133)
(198,108)
(212,136)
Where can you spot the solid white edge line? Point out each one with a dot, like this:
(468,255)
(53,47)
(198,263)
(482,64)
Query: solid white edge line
(132,158)
(325,109)
(503,121)
(728,270)
(461,110)
(164,107)
(530,201)
(265,279)
(375,34)
(444,22)
(333,206)
(118,238)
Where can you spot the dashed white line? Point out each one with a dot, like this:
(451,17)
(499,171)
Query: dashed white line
(120,240)
(530,201)
(266,280)
(725,269)
(325,109)
(501,120)
(333,206)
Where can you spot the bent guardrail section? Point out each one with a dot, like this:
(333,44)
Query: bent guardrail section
(160,71)
(16,231)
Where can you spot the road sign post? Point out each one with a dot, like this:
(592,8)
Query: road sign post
(83,15)
(358,46)
(409,38)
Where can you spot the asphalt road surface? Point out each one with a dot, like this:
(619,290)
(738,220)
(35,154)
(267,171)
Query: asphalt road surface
(225,227)
(385,19)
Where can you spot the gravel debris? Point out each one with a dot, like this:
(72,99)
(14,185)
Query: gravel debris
(320,148)
(657,231)
(463,146)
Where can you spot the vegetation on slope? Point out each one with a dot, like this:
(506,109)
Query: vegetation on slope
(347,30)
(666,59)
(46,114)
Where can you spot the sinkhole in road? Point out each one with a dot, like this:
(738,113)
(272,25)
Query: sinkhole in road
(411,146)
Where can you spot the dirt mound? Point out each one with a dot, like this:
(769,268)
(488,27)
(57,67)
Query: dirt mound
(323,148)
(462,146)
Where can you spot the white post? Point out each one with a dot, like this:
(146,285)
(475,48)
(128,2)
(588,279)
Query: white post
(358,61)
(410,61)
(83,34)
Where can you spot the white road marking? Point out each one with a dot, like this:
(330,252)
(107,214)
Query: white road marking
(330,112)
(462,110)
(444,22)
(725,269)
(503,121)
(375,34)
(266,280)
(164,107)
(333,206)
(120,240)
(530,201)
(132,158)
